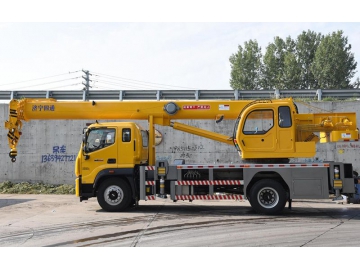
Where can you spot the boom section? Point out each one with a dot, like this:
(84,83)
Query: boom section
(30,109)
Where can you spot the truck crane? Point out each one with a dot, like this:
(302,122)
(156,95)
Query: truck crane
(116,161)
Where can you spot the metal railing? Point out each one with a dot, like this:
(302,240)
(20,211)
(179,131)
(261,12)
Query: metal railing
(316,94)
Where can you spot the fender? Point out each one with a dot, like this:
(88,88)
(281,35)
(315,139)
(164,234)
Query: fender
(127,173)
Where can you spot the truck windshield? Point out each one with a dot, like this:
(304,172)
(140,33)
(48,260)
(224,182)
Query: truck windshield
(99,138)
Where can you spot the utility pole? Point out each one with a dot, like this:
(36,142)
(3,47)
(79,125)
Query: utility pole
(86,84)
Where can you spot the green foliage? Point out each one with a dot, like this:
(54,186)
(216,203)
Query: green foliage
(270,69)
(356,84)
(8,187)
(281,68)
(311,61)
(306,46)
(292,72)
(273,75)
(334,64)
(245,67)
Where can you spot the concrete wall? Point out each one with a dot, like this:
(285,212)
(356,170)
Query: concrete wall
(47,149)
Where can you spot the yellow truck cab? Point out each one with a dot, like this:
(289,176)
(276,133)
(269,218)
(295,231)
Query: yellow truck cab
(110,151)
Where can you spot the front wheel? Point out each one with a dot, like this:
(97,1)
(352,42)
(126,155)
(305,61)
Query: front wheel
(114,195)
(267,197)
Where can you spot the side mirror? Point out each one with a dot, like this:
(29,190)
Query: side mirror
(86,156)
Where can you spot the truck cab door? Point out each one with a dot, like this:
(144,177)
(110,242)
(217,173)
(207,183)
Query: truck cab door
(99,153)
(285,130)
(258,133)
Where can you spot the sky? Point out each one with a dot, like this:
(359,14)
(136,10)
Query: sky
(185,45)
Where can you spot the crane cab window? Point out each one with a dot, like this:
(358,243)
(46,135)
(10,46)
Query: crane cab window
(99,138)
(259,122)
(284,117)
(126,134)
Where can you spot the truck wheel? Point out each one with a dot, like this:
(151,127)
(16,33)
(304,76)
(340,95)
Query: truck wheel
(267,197)
(114,195)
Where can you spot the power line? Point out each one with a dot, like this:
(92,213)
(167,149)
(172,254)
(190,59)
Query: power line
(61,86)
(41,78)
(106,87)
(131,86)
(44,83)
(121,78)
(112,80)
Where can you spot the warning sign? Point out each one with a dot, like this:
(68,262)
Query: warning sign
(223,107)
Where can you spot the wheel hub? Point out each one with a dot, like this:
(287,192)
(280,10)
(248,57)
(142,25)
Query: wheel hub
(268,197)
(113,195)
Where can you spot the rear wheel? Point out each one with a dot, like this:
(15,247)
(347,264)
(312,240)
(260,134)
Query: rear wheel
(267,197)
(114,195)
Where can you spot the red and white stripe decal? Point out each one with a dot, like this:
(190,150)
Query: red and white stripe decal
(209,197)
(196,107)
(149,168)
(150,198)
(179,167)
(209,182)
(150,183)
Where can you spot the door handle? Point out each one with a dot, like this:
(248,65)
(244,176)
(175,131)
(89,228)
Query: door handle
(111,161)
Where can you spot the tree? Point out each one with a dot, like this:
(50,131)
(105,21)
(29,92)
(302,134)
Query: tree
(291,77)
(312,61)
(334,64)
(270,68)
(246,67)
(356,83)
(280,70)
(306,46)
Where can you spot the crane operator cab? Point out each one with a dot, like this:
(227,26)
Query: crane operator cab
(266,130)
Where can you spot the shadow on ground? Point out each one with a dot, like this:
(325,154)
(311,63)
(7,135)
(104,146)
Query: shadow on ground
(8,202)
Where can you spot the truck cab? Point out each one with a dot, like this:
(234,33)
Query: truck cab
(110,150)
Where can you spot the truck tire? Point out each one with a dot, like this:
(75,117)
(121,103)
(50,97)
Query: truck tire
(267,197)
(114,195)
